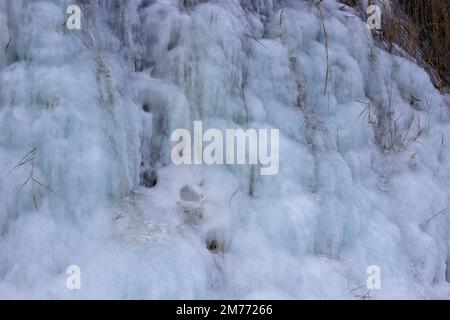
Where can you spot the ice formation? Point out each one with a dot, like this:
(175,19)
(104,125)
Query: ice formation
(364,174)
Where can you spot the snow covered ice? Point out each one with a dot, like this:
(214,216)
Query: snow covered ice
(364,155)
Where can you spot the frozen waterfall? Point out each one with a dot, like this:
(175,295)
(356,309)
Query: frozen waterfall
(364,172)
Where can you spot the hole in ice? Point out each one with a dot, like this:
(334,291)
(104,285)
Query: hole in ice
(213,245)
(189,193)
(146,107)
(149,179)
(216,241)
(191,204)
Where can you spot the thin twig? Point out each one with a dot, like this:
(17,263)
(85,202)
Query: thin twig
(252,37)
(30,158)
(7,45)
(27,158)
(232,195)
(436,214)
(34,201)
(281,17)
(43,185)
(326,46)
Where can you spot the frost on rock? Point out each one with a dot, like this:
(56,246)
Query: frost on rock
(364,154)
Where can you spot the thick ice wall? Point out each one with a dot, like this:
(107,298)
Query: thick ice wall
(348,193)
